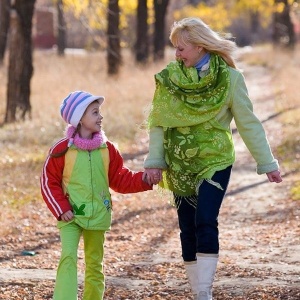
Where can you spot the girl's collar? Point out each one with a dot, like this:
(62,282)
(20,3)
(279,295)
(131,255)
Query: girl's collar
(85,144)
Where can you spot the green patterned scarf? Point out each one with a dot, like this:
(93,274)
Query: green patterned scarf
(196,145)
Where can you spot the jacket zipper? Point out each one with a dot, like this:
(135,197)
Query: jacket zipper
(91,178)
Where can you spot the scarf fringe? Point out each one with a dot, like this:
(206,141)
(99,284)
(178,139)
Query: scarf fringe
(216,184)
(193,199)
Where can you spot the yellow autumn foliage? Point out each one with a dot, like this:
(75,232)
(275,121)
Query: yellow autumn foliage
(216,16)
(95,12)
(220,15)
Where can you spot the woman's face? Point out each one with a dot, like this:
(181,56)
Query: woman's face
(188,53)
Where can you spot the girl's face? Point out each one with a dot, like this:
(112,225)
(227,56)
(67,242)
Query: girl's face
(91,120)
(188,53)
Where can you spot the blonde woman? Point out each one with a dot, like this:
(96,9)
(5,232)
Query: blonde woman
(191,150)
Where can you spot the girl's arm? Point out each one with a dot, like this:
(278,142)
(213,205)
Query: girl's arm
(122,179)
(51,186)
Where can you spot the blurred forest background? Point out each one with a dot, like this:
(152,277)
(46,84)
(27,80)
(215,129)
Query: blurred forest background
(139,26)
(49,48)
(114,47)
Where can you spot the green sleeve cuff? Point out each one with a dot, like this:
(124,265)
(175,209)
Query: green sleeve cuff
(273,166)
(156,155)
(155,163)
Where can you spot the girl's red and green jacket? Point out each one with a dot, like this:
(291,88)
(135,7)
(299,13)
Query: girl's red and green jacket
(80,181)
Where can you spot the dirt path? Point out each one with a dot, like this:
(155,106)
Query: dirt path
(259,235)
(259,225)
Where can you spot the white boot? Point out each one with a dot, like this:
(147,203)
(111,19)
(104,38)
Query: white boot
(192,275)
(207,265)
(204,296)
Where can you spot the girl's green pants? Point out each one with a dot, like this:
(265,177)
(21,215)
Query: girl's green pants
(66,285)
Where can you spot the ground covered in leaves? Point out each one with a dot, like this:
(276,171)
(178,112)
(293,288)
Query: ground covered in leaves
(259,257)
(259,238)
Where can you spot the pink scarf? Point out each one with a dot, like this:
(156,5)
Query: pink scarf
(85,144)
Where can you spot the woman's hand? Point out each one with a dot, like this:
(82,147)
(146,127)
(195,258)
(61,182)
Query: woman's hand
(153,175)
(67,216)
(274,176)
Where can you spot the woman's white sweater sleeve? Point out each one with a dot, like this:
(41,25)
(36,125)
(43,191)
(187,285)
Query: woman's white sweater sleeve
(251,129)
(156,155)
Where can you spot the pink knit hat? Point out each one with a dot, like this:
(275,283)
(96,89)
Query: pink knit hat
(74,106)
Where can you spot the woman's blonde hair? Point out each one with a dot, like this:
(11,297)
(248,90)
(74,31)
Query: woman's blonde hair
(196,32)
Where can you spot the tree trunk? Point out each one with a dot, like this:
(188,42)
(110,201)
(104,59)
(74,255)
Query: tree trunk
(283,33)
(114,59)
(20,61)
(254,25)
(61,32)
(4,26)
(196,2)
(142,43)
(160,10)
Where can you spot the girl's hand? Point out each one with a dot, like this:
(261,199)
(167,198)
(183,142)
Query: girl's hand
(67,216)
(274,176)
(153,175)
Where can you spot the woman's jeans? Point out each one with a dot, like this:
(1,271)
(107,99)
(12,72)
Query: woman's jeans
(199,226)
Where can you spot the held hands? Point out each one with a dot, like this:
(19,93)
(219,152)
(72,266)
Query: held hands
(67,216)
(274,176)
(152,176)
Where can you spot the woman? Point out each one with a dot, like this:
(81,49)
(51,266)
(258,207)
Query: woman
(196,98)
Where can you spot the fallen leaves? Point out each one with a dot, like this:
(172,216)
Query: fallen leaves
(143,257)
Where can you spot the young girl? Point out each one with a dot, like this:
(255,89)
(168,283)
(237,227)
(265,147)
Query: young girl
(196,98)
(75,182)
